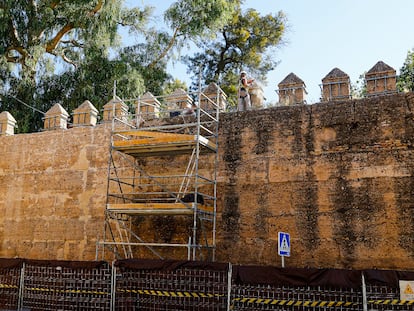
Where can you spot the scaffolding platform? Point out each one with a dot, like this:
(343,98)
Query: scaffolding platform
(159,208)
(141,143)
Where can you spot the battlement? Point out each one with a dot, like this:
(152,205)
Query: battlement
(145,110)
(381,79)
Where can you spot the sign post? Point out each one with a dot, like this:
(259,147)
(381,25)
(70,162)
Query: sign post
(283,246)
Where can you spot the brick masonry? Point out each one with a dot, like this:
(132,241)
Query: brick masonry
(337,176)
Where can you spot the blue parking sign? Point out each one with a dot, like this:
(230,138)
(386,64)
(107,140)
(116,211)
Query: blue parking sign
(284,244)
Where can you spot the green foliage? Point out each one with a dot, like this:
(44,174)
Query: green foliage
(28,119)
(94,81)
(246,43)
(173,85)
(359,88)
(68,51)
(405,80)
(140,57)
(40,36)
(34,30)
(197,18)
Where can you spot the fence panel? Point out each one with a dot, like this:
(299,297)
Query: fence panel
(10,271)
(384,298)
(187,285)
(59,285)
(264,297)
(171,285)
(257,288)
(383,291)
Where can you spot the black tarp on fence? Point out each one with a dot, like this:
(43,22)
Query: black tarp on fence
(188,285)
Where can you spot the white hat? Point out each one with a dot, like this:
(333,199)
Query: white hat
(243,72)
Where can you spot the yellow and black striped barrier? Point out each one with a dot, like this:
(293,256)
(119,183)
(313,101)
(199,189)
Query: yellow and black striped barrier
(320,303)
(392,302)
(295,303)
(170,293)
(68,291)
(8,286)
(239,300)
(52,290)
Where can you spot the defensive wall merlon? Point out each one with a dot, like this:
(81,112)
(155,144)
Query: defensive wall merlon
(381,79)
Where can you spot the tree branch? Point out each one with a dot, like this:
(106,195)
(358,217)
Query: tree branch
(222,60)
(73,42)
(169,46)
(67,60)
(97,8)
(51,45)
(34,5)
(13,59)
(16,59)
(123,24)
(14,33)
(54,4)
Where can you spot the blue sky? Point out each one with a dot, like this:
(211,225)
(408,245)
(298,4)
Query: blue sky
(349,34)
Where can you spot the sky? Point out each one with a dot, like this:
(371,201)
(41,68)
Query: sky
(352,35)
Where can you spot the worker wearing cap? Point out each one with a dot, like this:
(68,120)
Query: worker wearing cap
(244,97)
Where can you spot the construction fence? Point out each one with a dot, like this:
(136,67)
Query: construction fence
(136,284)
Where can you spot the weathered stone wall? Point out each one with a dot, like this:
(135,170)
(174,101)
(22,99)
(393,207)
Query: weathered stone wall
(337,176)
(53,192)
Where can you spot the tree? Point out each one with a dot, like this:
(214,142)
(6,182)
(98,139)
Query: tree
(359,88)
(247,43)
(405,80)
(192,20)
(92,80)
(39,36)
(36,31)
(171,86)
(68,51)
(142,58)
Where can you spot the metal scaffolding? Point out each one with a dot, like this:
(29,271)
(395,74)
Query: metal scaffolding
(162,190)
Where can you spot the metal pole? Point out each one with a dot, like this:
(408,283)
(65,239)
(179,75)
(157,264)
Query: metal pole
(283,261)
(229,283)
(113,286)
(364,293)
(138,114)
(189,249)
(21,288)
(197,155)
(114,89)
(97,247)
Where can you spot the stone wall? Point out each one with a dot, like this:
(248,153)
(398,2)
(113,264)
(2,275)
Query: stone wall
(53,192)
(337,176)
